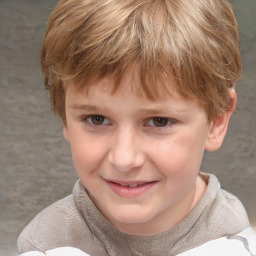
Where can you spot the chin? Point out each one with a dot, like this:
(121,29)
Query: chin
(131,216)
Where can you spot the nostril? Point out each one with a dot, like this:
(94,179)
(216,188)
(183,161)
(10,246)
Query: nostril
(126,162)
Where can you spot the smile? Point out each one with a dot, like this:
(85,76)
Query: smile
(131,185)
(130,189)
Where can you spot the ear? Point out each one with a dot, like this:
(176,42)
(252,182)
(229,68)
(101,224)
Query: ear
(218,127)
(65,133)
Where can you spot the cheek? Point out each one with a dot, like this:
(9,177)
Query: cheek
(178,157)
(87,155)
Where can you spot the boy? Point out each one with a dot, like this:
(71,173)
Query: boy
(143,88)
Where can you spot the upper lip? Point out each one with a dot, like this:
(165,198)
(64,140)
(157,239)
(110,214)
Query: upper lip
(127,183)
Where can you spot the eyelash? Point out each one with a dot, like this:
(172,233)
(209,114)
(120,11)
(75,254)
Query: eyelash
(148,123)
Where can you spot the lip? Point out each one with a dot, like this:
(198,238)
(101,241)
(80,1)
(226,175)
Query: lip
(122,189)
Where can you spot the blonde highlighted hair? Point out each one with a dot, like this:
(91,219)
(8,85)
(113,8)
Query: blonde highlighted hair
(193,41)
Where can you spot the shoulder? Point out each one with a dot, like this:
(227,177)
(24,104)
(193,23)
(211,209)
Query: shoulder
(225,208)
(61,251)
(241,244)
(50,227)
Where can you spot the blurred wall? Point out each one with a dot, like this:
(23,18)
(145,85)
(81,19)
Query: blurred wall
(35,161)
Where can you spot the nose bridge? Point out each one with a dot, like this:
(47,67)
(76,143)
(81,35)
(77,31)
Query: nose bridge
(126,152)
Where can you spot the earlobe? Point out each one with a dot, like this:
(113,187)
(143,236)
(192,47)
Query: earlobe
(65,133)
(218,127)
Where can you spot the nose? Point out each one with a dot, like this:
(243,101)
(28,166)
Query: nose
(125,153)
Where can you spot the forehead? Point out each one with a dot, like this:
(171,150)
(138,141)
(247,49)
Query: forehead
(127,99)
(131,81)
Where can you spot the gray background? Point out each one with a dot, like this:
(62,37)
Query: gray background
(35,162)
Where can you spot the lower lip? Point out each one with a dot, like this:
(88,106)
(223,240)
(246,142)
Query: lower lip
(129,192)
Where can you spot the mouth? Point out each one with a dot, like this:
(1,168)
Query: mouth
(130,189)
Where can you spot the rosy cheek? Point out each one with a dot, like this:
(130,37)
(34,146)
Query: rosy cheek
(172,158)
(87,156)
(166,157)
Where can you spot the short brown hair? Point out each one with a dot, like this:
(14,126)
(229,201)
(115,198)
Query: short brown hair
(194,41)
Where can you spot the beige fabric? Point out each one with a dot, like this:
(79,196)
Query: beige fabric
(75,221)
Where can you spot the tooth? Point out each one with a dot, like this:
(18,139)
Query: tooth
(133,185)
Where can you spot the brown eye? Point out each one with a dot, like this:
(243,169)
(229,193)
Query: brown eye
(96,120)
(160,121)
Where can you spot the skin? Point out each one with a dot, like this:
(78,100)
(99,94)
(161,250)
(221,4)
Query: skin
(118,141)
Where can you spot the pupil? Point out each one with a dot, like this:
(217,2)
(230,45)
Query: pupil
(160,122)
(97,120)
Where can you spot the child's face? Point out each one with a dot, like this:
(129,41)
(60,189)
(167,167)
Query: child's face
(138,159)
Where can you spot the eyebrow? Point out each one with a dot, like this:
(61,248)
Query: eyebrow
(158,111)
(153,111)
(84,106)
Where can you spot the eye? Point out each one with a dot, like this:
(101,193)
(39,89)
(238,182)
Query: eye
(160,122)
(97,120)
